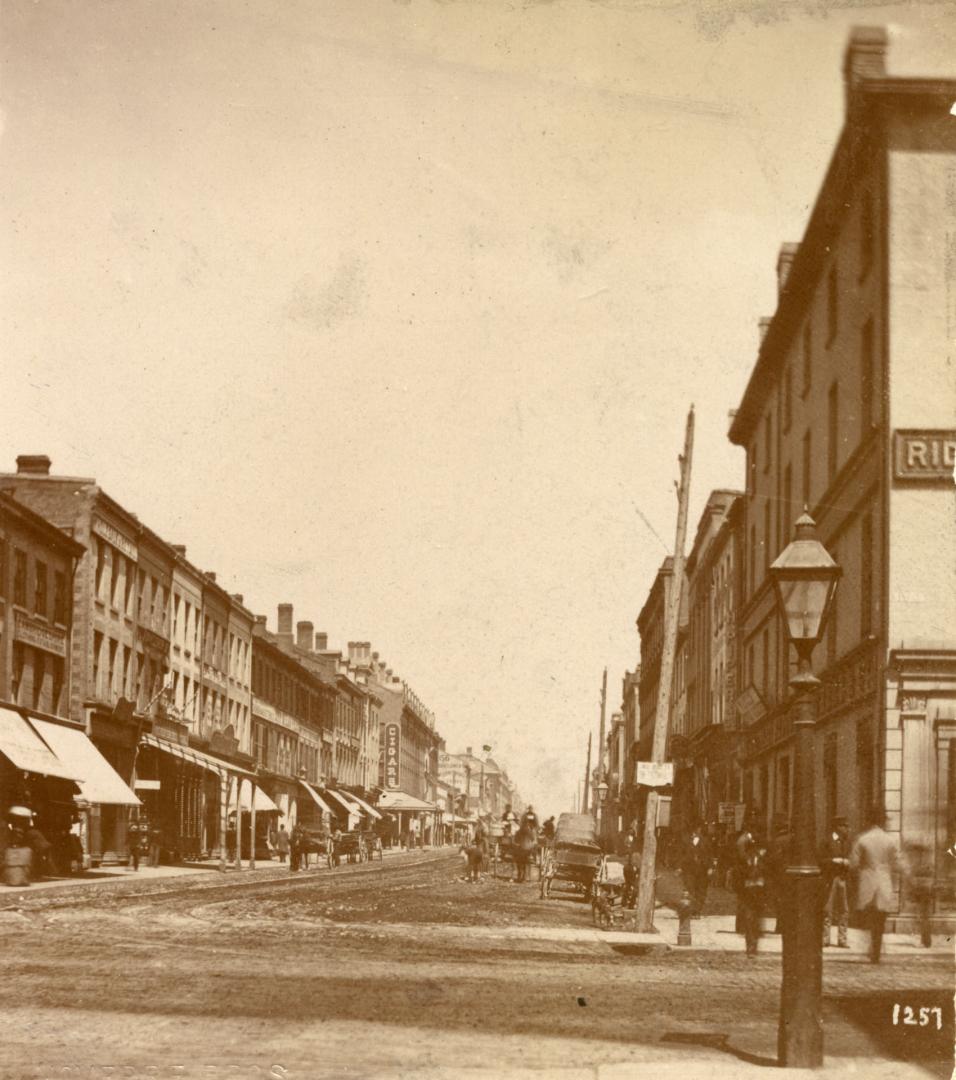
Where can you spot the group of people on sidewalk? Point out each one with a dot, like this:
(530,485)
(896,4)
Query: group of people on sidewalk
(759,878)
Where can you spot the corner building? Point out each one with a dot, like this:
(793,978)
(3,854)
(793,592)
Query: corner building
(849,411)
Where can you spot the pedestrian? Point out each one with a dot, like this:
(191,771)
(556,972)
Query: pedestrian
(474,855)
(413,830)
(835,866)
(296,843)
(481,841)
(695,867)
(155,844)
(548,829)
(753,887)
(134,840)
(874,858)
(231,840)
(283,843)
(632,872)
(920,880)
(509,819)
(530,818)
(522,846)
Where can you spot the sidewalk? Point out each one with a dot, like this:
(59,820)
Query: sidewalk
(124,879)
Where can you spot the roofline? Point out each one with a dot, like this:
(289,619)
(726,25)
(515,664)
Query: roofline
(55,536)
(859,123)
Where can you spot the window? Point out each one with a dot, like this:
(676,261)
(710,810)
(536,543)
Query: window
(834,613)
(865,770)
(153,597)
(97,650)
(41,601)
(99,553)
(116,562)
(807,467)
(807,357)
(765,658)
(111,669)
(867,379)
(767,441)
(60,613)
(128,579)
(127,660)
(20,577)
(867,234)
(833,308)
(175,617)
(766,536)
(833,431)
(39,674)
(786,509)
(3,566)
(787,397)
(866,575)
(16,675)
(140,593)
(163,604)
(59,669)
(137,687)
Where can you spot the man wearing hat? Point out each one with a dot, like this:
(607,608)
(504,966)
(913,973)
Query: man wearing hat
(778,858)
(835,865)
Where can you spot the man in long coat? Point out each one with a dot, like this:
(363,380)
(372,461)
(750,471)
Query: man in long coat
(835,866)
(875,858)
(696,864)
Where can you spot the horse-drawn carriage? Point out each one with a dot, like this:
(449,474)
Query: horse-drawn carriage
(574,859)
(508,848)
(318,844)
(351,845)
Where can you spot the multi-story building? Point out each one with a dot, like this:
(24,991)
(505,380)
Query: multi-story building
(849,412)
(709,725)
(292,709)
(46,760)
(125,663)
(630,710)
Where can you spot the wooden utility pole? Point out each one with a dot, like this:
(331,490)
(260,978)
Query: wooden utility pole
(600,759)
(672,597)
(587,777)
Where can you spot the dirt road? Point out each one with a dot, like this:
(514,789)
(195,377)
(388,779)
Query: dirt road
(404,969)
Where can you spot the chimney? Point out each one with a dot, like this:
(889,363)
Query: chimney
(468,751)
(237,596)
(865,57)
(210,576)
(261,621)
(303,635)
(788,252)
(764,324)
(180,550)
(321,642)
(286,637)
(33,465)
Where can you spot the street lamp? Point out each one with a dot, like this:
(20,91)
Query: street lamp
(602,799)
(805,577)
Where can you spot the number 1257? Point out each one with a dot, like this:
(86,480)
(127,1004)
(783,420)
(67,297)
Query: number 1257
(906,1014)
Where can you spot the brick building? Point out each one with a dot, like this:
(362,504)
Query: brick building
(849,411)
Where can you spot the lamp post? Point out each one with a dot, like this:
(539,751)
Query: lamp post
(805,577)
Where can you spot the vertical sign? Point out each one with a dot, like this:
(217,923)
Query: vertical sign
(393,738)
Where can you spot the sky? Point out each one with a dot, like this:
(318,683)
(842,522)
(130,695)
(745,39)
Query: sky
(394,310)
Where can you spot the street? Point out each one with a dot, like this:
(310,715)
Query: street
(403,968)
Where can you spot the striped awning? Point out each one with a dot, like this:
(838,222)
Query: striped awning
(27,751)
(317,799)
(370,810)
(195,757)
(99,782)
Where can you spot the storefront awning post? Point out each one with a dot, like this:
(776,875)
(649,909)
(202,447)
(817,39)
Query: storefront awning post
(252,828)
(223,818)
(238,822)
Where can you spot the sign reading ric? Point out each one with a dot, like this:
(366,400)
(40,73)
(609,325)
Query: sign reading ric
(924,456)
(393,737)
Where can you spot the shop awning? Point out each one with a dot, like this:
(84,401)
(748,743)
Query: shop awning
(401,800)
(264,805)
(99,782)
(27,751)
(370,810)
(317,799)
(195,757)
(345,801)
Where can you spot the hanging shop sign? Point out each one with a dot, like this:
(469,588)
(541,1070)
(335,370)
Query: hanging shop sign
(146,785)
(924,456)
(393,742)
(655,773)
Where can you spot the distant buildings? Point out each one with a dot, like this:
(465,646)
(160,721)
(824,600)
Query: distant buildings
(199,716)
